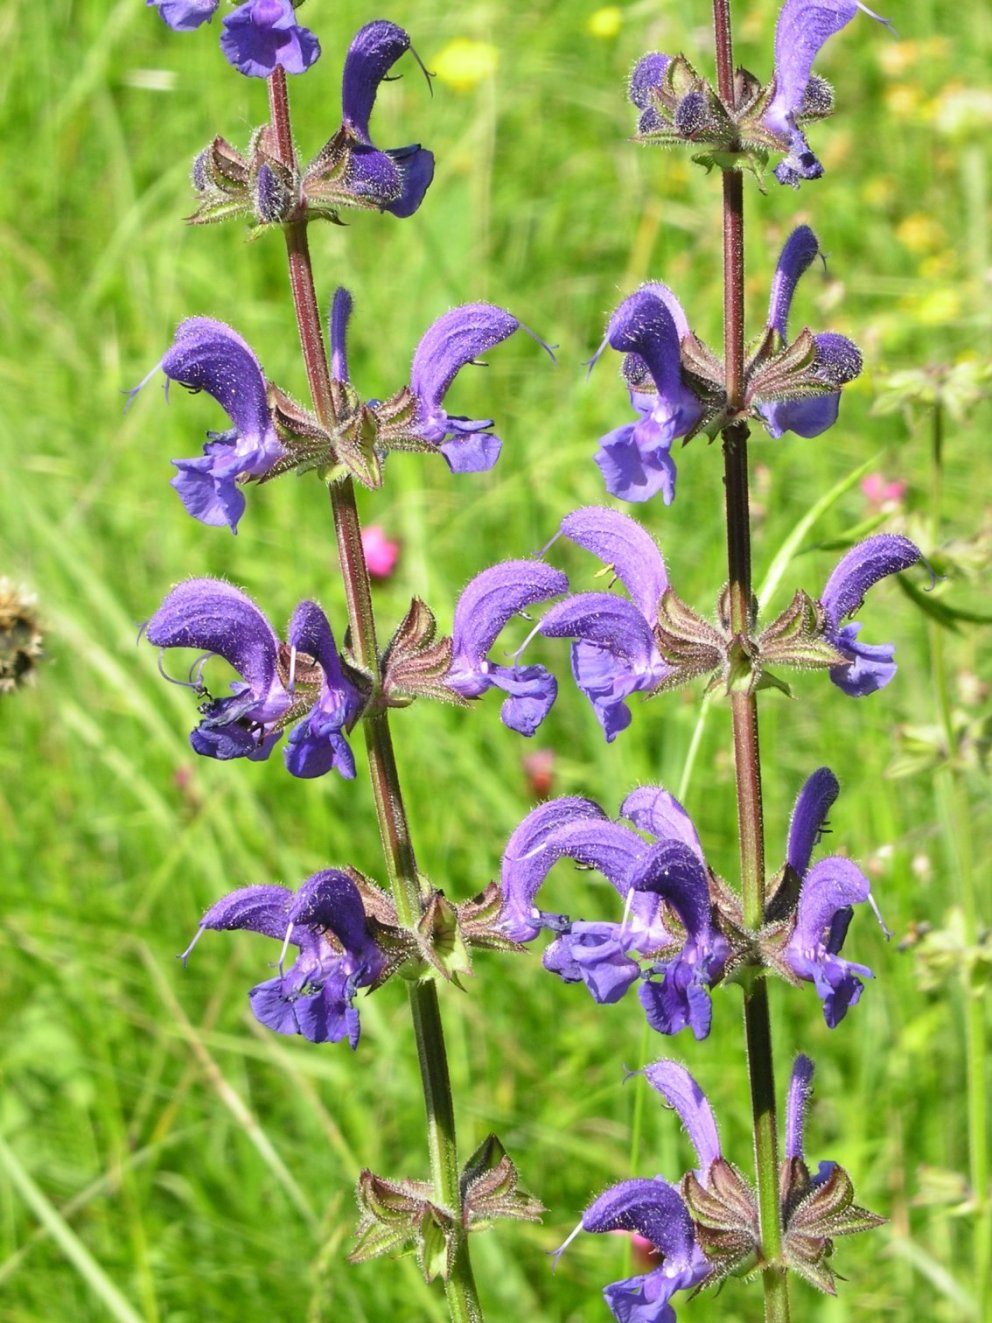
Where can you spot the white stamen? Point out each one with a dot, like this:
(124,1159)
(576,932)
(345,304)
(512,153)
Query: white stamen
(556,1254)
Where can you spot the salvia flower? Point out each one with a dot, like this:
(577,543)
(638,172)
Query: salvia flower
(870,666)
(836,360)
(802,29)
(483,610)
(257,38)
(655,1210)
(457,338)
(350,169)
(828,892)
(635,460)
(614,653)
(261,36)
(326,922)
(302,685)
(210,356)
(667,921)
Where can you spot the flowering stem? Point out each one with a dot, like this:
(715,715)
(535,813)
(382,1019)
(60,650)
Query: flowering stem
(744,709)
(405,881)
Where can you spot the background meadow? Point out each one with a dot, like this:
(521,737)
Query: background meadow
(162,1157)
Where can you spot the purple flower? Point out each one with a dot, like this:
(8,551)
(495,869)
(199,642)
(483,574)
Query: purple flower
(394,180)
(184,15)
(208,355)
(635,460)
(326,921)
(654,881)
(483,609)
(870,666)
(803,27)
(828,892)
(655,1210)
(263,35)
(302,685)
(838,360)
(679,996)
(455,339)
(614,654)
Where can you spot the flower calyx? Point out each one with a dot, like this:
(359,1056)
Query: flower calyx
(725,1218)
(396,1214)
(258,186)
(415,661)
(815,1210)
(678,106)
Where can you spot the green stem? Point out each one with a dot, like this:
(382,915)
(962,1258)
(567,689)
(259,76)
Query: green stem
(405,881)
(744,711)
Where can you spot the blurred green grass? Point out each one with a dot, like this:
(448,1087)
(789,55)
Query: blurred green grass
(203,1166)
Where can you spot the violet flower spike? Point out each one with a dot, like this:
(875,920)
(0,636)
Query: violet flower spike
(802,29)
(278,685)
(483,609)
(325,920)
(635,459)
(614,654)
(449,344)
(261,36)
(395,179)
(838,360)
(210,356)
(184,15)
(870,666)
(809,818)
(655,1210)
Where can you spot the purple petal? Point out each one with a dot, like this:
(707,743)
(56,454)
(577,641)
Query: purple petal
(862,567)
(800,1091)
(416,170)
(316,745)
(214,499)
(800,164)
(809,817)
(216,617)
(653,1208)
(798,253)
(272,1007)
(681,1091)
(373,175)
(341,308)
(830,888)
(596,955)
(327,1016)
(803,27)
(871,667)
(331,900)
(643,325)
(470,451)
(209,355)
(610,622)
(263,35)
(656,811)
(456,338)
(673,870)
(372,53)
(260,909)
(634,474)
(807,418)
(185,15)
(626,546)
(485,607)
(531,691)
(526,861)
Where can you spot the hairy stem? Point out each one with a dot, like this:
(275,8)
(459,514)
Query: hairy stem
(744,709)
(401,865)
